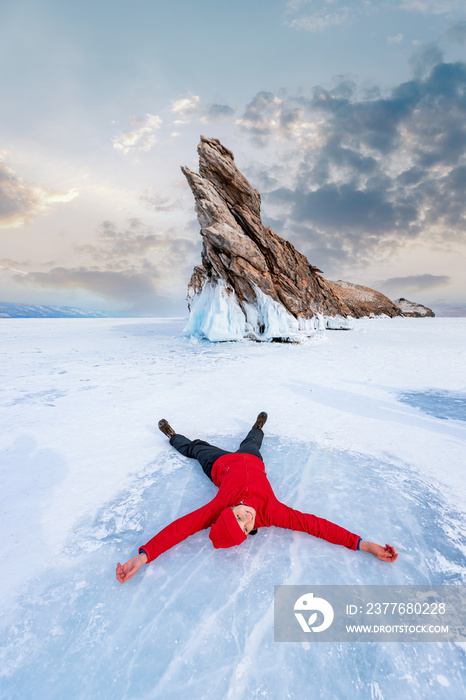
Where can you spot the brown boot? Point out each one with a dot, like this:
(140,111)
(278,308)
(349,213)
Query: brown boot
(260,421)
(166,428)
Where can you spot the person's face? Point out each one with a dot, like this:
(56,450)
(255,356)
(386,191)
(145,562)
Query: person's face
(245,515)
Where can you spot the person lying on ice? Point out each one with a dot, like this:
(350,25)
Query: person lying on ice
(244,502)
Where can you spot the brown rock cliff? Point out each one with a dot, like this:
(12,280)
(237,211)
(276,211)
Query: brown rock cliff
(239,249)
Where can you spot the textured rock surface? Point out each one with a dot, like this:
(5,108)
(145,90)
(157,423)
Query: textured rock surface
(410,308)
(239,249)
(364,301)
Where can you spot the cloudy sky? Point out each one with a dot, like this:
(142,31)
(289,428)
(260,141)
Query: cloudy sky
(348,117)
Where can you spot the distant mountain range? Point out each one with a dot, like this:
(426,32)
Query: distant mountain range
(35,311)
(32,311)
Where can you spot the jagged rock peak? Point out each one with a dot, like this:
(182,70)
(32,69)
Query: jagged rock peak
(272,287)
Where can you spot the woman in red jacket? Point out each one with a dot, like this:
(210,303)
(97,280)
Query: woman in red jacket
(244,502)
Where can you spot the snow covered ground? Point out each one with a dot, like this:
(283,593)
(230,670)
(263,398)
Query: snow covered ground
(366,428)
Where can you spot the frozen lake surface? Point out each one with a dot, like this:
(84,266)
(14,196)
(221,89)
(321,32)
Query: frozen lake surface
(441,404)
(366,428)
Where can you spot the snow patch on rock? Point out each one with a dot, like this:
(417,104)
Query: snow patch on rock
(412,308)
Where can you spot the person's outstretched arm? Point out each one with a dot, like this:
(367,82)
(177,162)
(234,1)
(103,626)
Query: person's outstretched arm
(176,532)
(282,515)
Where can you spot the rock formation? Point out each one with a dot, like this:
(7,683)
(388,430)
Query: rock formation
(251,281)
(410,308)
(364,301)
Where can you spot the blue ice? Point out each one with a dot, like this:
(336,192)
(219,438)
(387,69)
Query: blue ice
(198,622)
(441,404)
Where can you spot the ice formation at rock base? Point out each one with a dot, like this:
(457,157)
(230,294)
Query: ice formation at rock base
(217,316)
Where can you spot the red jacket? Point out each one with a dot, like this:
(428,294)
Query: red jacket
(241,478)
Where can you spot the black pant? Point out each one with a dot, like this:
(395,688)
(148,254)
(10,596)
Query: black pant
(207,454)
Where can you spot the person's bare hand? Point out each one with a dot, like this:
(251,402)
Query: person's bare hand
(386,553)
(126,571)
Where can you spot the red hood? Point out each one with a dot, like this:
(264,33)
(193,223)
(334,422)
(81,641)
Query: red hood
(242,478)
